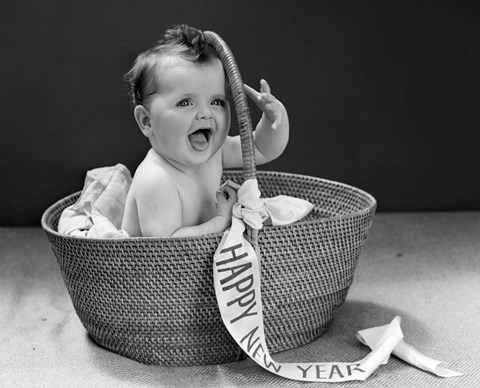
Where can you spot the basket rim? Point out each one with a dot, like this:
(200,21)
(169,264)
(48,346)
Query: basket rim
(372,206)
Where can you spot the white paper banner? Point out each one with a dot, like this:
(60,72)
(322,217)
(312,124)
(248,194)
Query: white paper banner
(237,287)
(406,353)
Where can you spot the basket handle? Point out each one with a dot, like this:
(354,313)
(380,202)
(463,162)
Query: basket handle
(240,101)
(243,116)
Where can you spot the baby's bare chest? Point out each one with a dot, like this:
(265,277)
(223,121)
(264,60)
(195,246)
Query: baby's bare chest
(198,197)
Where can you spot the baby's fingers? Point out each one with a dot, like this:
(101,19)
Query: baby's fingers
(264,100)
(252,93)
(230,183)
(264,87)
(269,105)
(228,193)
(231,194)
(221,197)
(262,97)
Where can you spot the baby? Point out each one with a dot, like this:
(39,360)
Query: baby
(179,92)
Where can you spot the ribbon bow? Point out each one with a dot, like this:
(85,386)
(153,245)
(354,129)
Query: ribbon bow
(256,211)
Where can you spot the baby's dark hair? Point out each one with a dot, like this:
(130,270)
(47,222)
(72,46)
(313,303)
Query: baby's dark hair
(182,40)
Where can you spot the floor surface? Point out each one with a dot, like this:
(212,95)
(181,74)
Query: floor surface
(424,267)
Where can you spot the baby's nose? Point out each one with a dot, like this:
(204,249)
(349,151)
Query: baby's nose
(204,113)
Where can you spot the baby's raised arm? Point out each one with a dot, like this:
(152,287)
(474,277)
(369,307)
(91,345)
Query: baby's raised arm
(271,133)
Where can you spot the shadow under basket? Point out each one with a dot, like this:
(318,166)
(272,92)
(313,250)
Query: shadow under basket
(153,299)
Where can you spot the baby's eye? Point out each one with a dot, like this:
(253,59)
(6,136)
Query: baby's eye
(218,102)
(184,102)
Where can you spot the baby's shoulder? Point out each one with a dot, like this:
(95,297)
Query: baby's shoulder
(152,178)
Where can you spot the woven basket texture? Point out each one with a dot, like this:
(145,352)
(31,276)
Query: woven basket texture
(153,300)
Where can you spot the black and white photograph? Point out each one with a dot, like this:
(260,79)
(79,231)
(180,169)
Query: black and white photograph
(267,193)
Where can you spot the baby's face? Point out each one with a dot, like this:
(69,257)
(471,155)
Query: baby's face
(190,117)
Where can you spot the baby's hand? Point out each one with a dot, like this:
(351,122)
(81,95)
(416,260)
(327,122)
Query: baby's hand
(273,109)
(226,198)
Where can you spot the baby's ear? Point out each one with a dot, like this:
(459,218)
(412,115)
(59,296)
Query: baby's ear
(142,116)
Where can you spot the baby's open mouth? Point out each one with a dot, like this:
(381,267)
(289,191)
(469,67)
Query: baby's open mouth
(199,139)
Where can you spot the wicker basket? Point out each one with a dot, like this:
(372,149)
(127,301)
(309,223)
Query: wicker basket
(153,300)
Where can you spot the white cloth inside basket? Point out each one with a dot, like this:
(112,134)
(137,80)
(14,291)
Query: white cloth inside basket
(98,211)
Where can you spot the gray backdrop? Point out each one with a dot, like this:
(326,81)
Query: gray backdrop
(383,95)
